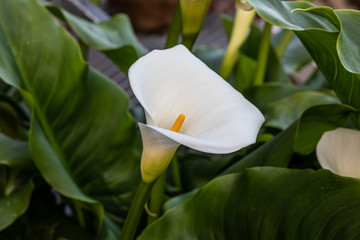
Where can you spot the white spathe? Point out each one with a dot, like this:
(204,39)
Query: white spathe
(218,119)
(339,151)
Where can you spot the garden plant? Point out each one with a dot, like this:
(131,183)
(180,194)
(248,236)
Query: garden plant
(223,145)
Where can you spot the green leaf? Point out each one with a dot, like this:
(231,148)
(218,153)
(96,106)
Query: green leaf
(196,169)
(282,104)
(9,120)
(349,41)
(295,56)
(82,138)
(115,37)
(317,120)
(227,22)
(14,205)
(277,153)
(211,56)
(266,203)
(267,93)
(282,113)
(317,81)
(15,153)
(244,72)
(301,137)
(331,37)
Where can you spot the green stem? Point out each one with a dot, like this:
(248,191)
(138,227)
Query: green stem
(84,49)
(96,2)
(157,199)
(188,40)
(262,55)
(175,28)
(284,42)
(135,211)
(175,173)
(79,214)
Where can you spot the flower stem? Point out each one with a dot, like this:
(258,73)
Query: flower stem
(135,211)
(175,173)
(175,28)
(157,199)
(189,40)
(263,55)
(284,42)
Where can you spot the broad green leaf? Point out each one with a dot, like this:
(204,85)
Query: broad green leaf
(197,169)
(295,56)
(317,120)
(211,56)
(317,81)
(82,138)
(277,153)
(282,113)
(266,203)
(15,153)
(282,104)
(280,13)
(115,37)
(301,137)
(349,41)
(14,205)
(173,202)
(9,120)
(12,116)
(267,93)
(331,37)
(15,186)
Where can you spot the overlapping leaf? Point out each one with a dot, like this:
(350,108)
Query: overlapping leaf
(266,203)
(14,205)
(82,138)
(114,37)
(331,37)
(301,137)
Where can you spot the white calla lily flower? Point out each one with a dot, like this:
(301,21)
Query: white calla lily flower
(171,82)
(339,150)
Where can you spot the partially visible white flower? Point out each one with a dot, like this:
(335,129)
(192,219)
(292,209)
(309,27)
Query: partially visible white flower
(171,82)
(339,151)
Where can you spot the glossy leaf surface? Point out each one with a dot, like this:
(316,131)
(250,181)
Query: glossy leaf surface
(266,203)
(331,38)
(114,37)
(282,113)
(14,205)
(14,153)
(301,137)
(82,138)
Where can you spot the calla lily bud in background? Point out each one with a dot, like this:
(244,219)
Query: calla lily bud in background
(339,151)
(186,103)
(243,19)
(193,13)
